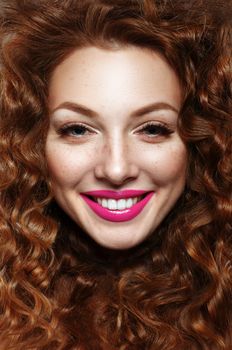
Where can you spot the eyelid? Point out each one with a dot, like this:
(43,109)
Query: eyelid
(67,130)
(66,126)
(158,124)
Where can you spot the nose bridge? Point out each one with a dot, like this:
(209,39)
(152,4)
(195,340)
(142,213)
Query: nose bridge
(117,149)
(117,161)
(116,155)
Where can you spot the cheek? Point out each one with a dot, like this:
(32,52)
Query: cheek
(68,165)
(166,163)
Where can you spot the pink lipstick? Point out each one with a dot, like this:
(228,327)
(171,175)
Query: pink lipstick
(117,215)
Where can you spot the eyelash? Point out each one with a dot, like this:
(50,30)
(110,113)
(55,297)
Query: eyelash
(156,129)
(68,129)
(150,129)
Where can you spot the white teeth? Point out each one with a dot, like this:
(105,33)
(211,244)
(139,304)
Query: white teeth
(104,203)
(112,204)
(120,204)
(129,202)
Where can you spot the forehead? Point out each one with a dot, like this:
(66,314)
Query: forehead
(131,74)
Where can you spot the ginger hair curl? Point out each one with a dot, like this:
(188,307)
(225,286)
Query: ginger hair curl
(59,289)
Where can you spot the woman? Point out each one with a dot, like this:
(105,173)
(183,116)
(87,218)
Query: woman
(115,175)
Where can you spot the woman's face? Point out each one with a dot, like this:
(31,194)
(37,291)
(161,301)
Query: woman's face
(116,162)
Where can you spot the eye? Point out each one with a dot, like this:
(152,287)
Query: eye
(76,130)
(152,130)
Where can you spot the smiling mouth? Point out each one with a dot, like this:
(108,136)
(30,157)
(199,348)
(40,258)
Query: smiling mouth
(117,204)
(125,206)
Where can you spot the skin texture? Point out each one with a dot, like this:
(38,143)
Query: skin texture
(115,152)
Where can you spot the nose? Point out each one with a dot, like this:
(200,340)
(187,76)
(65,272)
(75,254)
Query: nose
(116,162)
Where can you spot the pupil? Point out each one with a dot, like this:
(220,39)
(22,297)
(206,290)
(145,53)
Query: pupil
(152,129)
(79,130)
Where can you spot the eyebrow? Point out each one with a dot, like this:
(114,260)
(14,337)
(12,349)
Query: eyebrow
(79,108)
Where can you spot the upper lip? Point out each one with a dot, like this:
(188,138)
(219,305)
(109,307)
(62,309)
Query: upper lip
(115,194)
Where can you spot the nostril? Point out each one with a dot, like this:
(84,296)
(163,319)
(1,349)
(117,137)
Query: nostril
(116,172)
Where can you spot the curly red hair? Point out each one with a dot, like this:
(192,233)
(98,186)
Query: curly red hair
(59,289)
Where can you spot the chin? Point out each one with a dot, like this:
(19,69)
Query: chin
(118,244)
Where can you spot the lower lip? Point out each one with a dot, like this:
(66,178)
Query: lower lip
(118,215)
